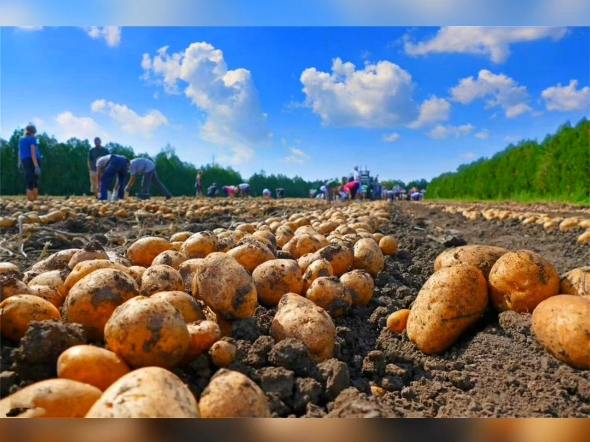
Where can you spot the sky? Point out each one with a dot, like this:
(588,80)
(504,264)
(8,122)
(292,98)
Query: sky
(407,102)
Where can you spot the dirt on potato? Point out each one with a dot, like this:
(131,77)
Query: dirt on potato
(496,368)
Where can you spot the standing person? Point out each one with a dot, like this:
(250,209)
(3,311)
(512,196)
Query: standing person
(147,168)
(29,159)
(357,174)
(94,154)
(199,184)
(244,189)
(109,167)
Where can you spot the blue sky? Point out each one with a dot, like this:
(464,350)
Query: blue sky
(406,102)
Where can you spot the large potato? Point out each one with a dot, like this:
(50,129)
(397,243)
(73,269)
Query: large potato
(93,299)
(143,251)
(188,307)
(149,392)
(298,317)
(51,398)
(275,278)
(301,244)
(481,256)
(172,258)
(226,287)
(55,279)
(89,252)
(360,285)
(368,256)
(48,293)
(146,331)
(339,256)
(520,280)
(576,282)
(561,324)
(187,270)
(86,267)
(450,301)
(18,311)
(317,269)
(330,294)
(10,285)
(388,244)
(160,278)
(200,245)
(230,394)
(57,261)
(251,254)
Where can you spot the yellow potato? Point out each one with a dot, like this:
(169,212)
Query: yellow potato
(360,285)
(172,258)
(317,269)
(10,285)
(330,294)
(7,268)
(222,353)
(481,256)
(57,261)
(388,245)
(143,251)
(160,278)
(90,252)
(339,256)
(18,311)
(48,293)
(188,307)
(368,256)
(86,267)
(203,334)
(250,255)
(301,244)
(276,277)
(398,321)
(200,245)
(54,278)
(576,282)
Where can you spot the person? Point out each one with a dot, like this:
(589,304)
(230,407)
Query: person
(147,168)
(312,193)
(391,195)
(29,160)
(244,189)
(396,191)
(324,191)
(351,189)
(378,188)
(107,168)
(199,184)
(266,194)
(331,188)
(229,191)
(94,154)
(212,190)
(280,192)
(357,174)
(364,190)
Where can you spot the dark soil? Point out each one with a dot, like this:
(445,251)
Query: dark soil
(496,369)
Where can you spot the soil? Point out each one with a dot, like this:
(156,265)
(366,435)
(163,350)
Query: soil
(496,369)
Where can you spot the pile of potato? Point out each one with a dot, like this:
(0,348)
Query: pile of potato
(469,278)
(172,299)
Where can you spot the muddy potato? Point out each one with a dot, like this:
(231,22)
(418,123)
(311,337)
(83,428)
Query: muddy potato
(222,353)
(89,252)
(450,301)
(119,259)
(48,293)
(305,260)
(276,277)
(481,256)
(397,321)
(520,280)
(368,256)
(230,394)
(339,256)
(136,273)
(203,334)
(266,235)
(172,258)
(143,251)
(317,269)
(360,285)
(301,244)
(7,268)
(181,236)
(160,278)
(283,235)
(251,255)
(57,261)
(200,245)
(187,305)
(145,331)
(91,365)
(55,279)
(331,295)
(10,285)
(561,324)
(17,312)
(576,282)
(51,398)
(93,299)
(388,245)
(87,267)
(149,392)
(226,287)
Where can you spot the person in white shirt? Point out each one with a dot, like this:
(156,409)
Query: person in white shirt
(266,194)
(147,169)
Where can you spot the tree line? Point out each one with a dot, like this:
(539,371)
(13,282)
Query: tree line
(558,169)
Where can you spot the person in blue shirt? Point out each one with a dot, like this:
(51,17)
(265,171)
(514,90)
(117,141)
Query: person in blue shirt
(29,160)
(109,167)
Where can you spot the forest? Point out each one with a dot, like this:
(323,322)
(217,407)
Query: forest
(557,169)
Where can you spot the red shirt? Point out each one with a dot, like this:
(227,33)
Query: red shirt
(349,186)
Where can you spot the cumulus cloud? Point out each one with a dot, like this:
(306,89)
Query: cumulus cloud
(380,95)
(441,132)
(70,126)
(391,138)
(567,98)
(297,156)
(111,34)
(492,42)
(229,98)
(483,134)
(129,120)
(496,89)
(432,111)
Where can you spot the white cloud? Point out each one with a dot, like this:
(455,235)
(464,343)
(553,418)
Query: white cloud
(30,28)
(70,126)
(483,134)
(297,141)
(432,111)
(365,54)
(469,156)
(512,138)
(441,132)
(38,122)
(567,98)
(111,34)
(493,42)
(391,137)
(297,156)
(234,118)
(129,120)
(380,95)
(498,90)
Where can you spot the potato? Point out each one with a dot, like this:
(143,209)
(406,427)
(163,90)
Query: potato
(520,280)
(317,269)
(368,256)
(55,279)
(200,245)
(226,287)
(230,394)
(378,237)
(181,236)
(331,295)
(91,365)
(305,260)
(397,321)
(48,293)
(187,270)
(57,261)
(119,259)
(203,334)
(450,301)
(251,255)
(387,244)
(91,251)
(301,244)
(222,353)
(283,235)
(584,237)
(576,282)
(276,277)
(188,307)
(136,272)
(7,268)
(84,268)
(339,256)
(10,285)
(160,278)
(93,299)
(561,324)
(298,317)
(143,251)
(18,311)
(51,398)
(481,256)
(146,331)
(360,286)
(170,258)
(149,392)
